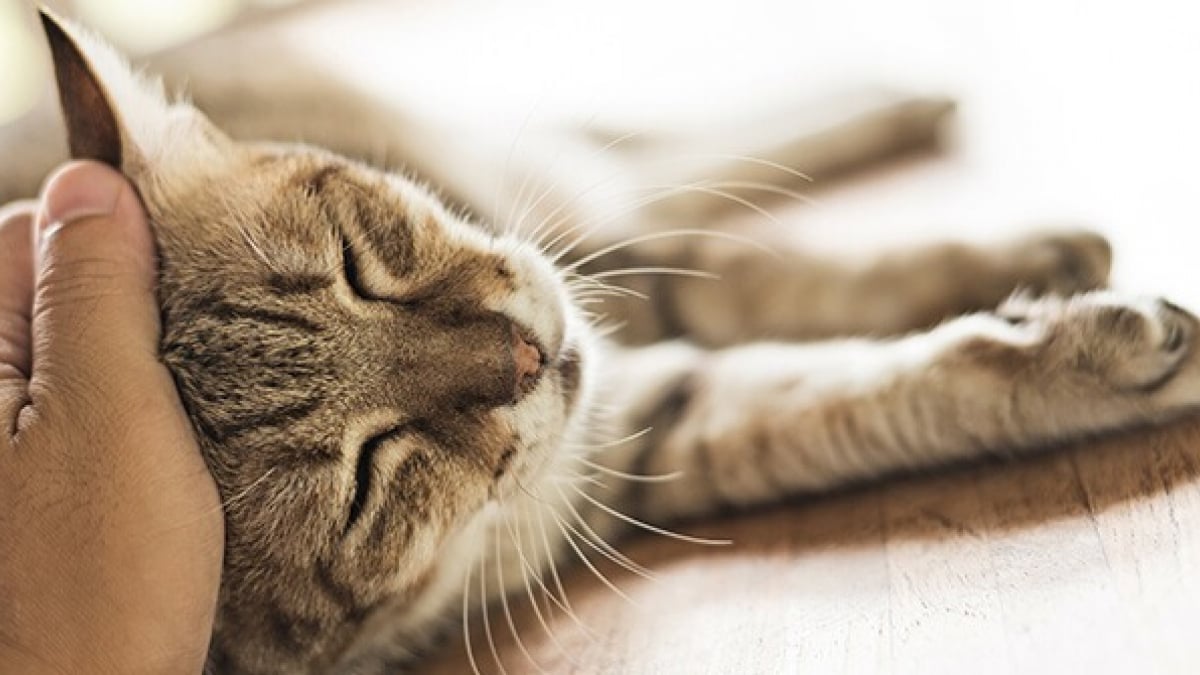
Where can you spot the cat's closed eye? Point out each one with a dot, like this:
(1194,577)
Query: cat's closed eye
(351,272)
(364,470)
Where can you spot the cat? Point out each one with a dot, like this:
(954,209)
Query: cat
(408,410)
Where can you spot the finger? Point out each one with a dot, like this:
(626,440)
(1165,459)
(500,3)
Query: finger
(16,300)
(95,320)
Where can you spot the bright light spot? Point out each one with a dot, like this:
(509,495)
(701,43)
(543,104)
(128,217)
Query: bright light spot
(146,25)
(20,64)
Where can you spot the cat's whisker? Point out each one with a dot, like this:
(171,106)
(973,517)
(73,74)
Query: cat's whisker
(599,287)
(582,283)
(605,549)
(240,223)
(593,299)
(757,186)
(704,187)
(607,147)
(749,159)
(585,228)
(597,548)
(637,478)
(545,599)
(760,186)
(503,592)
(535,235)
(504,174)
(577,280)
(599,296)
(659,194)
(596,320)
(234,499)
(655,236)
(556,600)
(584,302)
(580,291)
(665,271)
(579,478)
(255,248)
(565,529)
(534,497)
(611,329)
(588,304)
(553,567)
(673,190)
(483,610)
(537,576)
(614,443)
(651,528)
(519,206)
(466,616)
(527,570)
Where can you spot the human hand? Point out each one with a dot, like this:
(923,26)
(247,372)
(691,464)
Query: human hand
(110,526)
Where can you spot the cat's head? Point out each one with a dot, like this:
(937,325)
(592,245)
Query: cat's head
(365,369)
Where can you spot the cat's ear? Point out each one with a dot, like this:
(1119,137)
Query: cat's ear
(115,115)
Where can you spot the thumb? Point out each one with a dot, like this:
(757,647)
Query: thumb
(95,320)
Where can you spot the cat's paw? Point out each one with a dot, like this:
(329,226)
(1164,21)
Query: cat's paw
(1128,343)
(1060,263)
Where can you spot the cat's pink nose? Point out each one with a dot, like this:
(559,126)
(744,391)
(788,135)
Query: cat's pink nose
(528,360)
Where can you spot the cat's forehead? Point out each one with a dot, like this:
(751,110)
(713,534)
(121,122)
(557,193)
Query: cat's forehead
(300,177)
(299,211)
(279,196)
(304,173)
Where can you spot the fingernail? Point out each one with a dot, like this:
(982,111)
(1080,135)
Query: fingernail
(79,190)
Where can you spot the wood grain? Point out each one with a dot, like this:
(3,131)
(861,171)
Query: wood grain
(1080,560)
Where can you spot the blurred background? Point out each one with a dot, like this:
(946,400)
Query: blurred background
(1071,111)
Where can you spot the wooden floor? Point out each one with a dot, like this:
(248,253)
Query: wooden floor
(1080,561)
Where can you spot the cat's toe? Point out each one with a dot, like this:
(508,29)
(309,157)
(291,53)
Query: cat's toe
(1064,263)
(1137,344)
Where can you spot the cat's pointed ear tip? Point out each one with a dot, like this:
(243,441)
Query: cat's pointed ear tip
(50,21)
(52,25)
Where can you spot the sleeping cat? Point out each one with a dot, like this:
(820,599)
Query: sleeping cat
(409,412)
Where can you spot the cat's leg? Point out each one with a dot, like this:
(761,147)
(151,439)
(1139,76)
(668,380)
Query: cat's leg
(755,423)
(797,295)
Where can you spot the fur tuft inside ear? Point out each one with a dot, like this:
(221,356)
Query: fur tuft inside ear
(116,115)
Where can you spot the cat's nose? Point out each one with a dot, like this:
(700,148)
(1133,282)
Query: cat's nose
(528,360)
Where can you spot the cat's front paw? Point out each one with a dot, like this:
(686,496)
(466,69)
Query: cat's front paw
(1130,344)
(1061,263)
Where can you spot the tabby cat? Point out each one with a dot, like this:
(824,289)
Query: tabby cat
(407,409)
